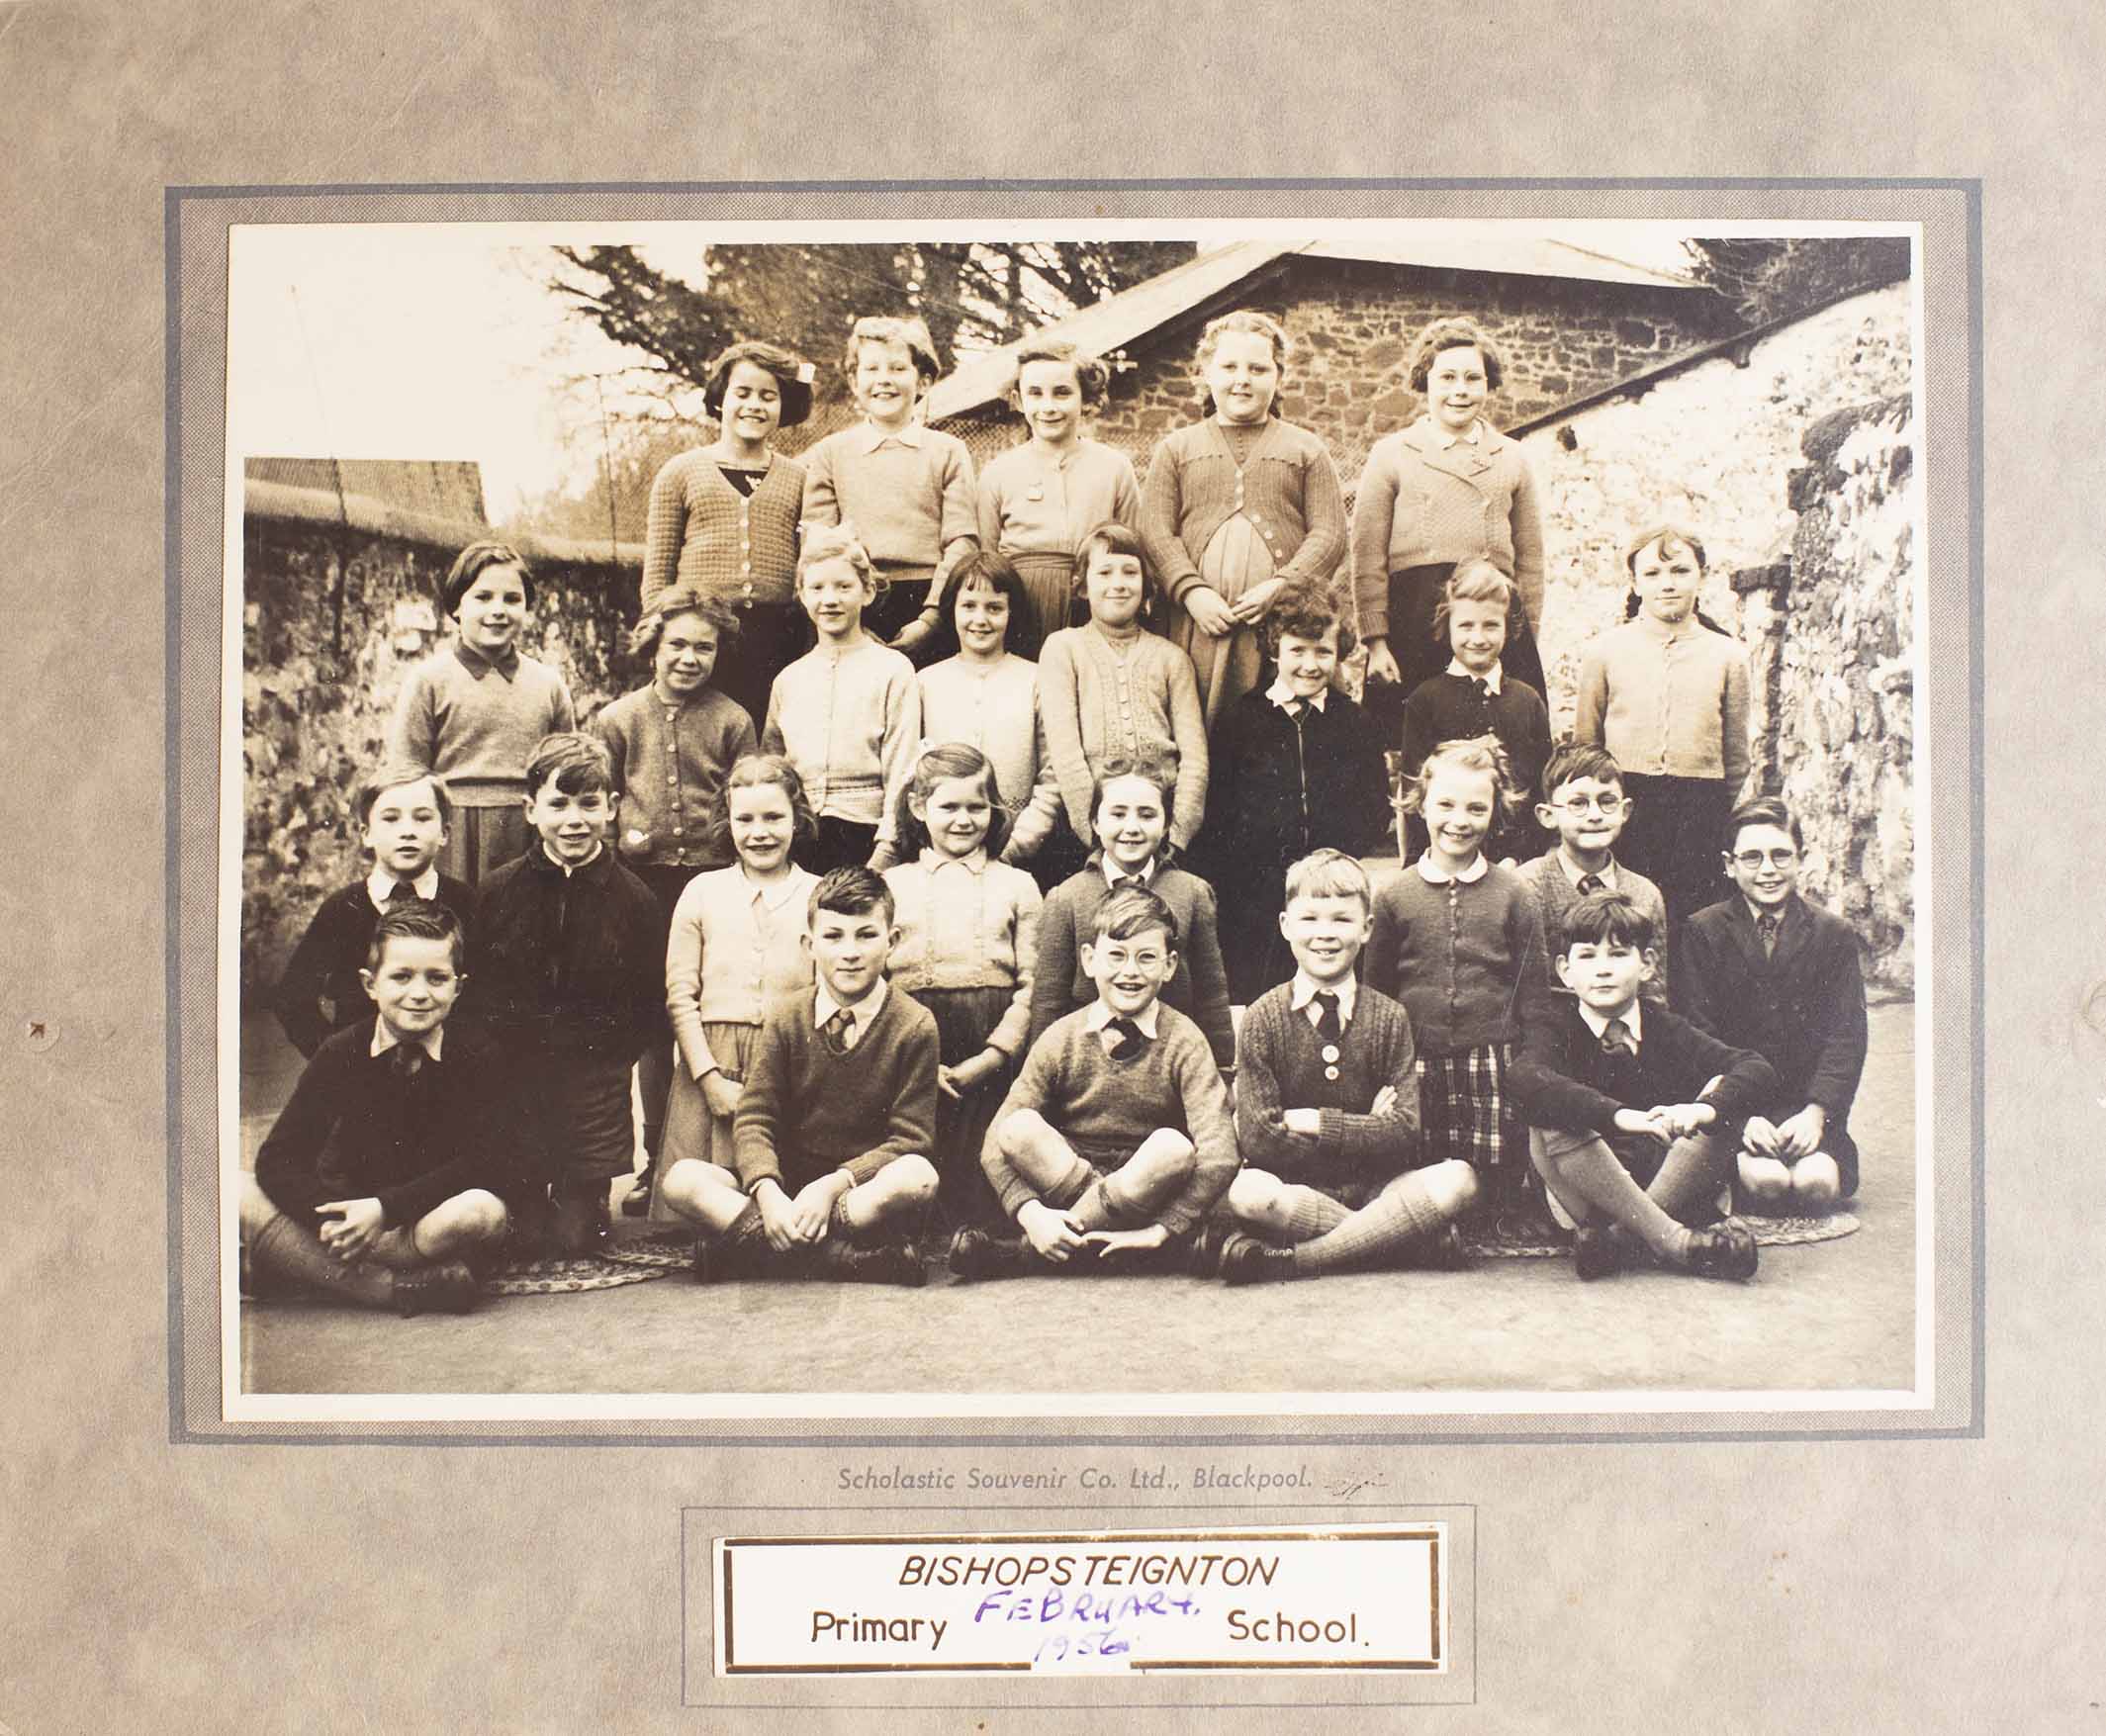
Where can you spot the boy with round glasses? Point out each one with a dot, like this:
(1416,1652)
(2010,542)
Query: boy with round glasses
(1585,805)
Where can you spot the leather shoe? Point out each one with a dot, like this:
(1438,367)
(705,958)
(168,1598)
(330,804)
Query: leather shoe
(980,1253)
(1246,1260)
(891,1262)
(1725,1251)
(1595,1251)
(446,1287)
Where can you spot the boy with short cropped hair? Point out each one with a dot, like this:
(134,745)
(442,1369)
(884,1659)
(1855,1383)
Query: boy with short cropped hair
(837,1117)
(404,816)
(386,1178)
(1116,1139)
(573,980)
(1770,972)
(1294,767)
(1326,1101)
(1584,804)
(1633,1111)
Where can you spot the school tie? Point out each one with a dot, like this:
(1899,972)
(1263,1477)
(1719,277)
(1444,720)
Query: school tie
(1482,688)
(1769,926)
(840,1023)
(1330,1027)
(403,893)
(1120,882)
(1618,1039)
(1589,885)
(1123,1037)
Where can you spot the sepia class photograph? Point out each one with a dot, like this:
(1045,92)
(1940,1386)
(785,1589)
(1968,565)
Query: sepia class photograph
(1222,817)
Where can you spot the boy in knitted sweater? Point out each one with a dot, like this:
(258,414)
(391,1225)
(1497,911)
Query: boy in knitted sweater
(838,1113)
(1326,1099)
(1116,1139)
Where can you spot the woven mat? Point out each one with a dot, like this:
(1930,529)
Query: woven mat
(1768,1232)
(564,1277)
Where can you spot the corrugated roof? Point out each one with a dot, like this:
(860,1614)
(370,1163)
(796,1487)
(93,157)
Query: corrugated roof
(435,488)
(1133,313)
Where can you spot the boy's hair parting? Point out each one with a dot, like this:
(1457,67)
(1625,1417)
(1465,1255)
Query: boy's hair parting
(1763,810)
(1328,873)
(850,891)
(1476,580)
(476,559)
(1575,759)
(1113,538)
(760,772)
(1134,910)
(1149,769)
(1446,335)
(394,775)
(1607,919)
(416,919)
(996,573)
(836,542)
(940,763)
(1307,609)
(681,599)
(576,763)
(1242,319)
(1670,538)
(913,331)
(794,375)
(1475,754)
(1092,376)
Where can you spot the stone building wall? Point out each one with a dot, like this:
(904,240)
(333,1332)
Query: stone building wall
(333,614)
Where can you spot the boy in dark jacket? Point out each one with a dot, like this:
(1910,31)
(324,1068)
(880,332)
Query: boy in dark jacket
(1633,1111)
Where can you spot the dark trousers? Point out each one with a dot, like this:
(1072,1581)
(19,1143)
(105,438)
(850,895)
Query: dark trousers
(836,843)
(1422,652)
(1674,837)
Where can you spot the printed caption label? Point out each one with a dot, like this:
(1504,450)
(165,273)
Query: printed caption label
(1258,1598)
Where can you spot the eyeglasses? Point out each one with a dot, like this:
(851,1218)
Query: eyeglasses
(1600,804)
(1755,858)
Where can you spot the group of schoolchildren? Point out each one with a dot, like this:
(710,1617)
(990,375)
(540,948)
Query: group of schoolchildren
(1070,961)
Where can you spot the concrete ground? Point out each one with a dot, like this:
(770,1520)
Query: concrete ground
(1829,1316)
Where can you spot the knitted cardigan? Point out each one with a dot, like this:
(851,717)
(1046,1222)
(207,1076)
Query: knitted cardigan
(704,534)
(1288,487)
(1170,1081)
(1280,1065)
(1670,704)
(1421,503)
(996,710)
(848,721)
(1098,704)
(1466,960)
(669,767)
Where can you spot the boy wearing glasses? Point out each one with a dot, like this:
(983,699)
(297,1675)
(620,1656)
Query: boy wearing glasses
(1766,971)
(1585,805)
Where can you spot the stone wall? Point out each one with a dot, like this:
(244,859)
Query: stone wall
(1766,455)
(1355,325)
(334,614)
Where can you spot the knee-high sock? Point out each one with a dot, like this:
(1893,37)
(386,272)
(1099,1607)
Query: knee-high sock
(1691,1176)
(287,1251)
(1402,1212)
(1306,1213)
(1589,1171)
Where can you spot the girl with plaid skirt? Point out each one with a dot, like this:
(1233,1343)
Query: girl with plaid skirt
(1458,940)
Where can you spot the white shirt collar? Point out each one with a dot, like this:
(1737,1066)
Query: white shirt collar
(1491,678)
(380,886)
(1282,696)
(571,868)
(1599,1021)
(862,1015)
(1097,1015)
(1435,876)
(1467,438)
(384,1040)
(934,861)
(1574,874)
(872,437)
(774,894)
(1304,994)
(1113,872)
(1756,912)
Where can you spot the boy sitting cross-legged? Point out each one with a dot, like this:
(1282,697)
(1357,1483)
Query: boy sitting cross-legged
(1326,1100)
(1622,1102)
(1116,1137)
(836,1119)
(1584,804)
(384,1179)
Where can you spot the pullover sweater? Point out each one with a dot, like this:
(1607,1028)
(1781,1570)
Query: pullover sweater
(477,724)
(1563,1079)
(1280,1065)
(1170,1081)
(325,966)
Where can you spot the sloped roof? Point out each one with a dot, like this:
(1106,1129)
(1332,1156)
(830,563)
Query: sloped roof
(1134,313)
(433,488)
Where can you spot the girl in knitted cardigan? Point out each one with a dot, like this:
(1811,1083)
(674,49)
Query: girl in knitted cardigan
(1237,508)
(1113,688)
(725,517)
